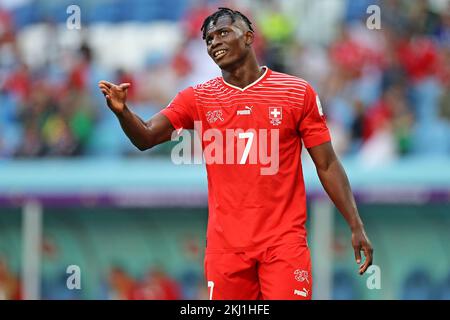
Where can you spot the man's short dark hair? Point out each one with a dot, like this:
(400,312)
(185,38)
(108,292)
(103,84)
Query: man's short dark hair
(224,12)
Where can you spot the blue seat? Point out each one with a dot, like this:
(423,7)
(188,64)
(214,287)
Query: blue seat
(189,281)
(357,9)
(417,285)
(55,288)
(25,15)
(432,138)
(443,289)
(343,286)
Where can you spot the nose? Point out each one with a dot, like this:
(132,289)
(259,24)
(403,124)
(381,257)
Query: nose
(215,42)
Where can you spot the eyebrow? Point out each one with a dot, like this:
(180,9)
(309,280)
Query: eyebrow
(208,35)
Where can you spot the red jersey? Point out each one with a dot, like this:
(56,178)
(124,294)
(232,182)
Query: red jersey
(250,205)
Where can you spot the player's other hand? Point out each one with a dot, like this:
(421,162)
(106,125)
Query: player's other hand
(360,242)
(115,95)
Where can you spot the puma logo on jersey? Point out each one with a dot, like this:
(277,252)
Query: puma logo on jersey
(246,111)
(303,293)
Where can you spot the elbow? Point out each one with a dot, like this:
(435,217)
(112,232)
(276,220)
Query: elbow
(148,141)
(325,166)
(143,146)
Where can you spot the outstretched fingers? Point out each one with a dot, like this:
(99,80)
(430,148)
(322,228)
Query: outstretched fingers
(104,90)
(106,84)
(106,87)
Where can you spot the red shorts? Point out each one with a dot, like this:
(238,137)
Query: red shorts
(276,273)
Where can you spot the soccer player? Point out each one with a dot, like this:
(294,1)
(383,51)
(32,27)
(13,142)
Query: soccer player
(256,238)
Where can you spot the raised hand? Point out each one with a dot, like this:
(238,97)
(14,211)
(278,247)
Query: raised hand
(115,95)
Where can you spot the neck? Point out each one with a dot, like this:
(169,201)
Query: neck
(243,74)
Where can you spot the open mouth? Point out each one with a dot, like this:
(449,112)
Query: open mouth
(219,54)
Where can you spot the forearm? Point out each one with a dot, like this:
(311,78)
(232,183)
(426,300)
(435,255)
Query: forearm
(136,129)
(337,186)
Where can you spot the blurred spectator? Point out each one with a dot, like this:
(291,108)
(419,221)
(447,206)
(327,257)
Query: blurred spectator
(157,285)
(9,283)
(191,279)
(391,110)
(121,286)
(384,89)
(277,30)
(6,27)
(418,56)
(192,20)
(32,143)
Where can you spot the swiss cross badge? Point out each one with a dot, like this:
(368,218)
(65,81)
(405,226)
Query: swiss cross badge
(301,275)
(275,115)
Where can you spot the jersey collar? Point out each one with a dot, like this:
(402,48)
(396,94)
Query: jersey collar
(262,77)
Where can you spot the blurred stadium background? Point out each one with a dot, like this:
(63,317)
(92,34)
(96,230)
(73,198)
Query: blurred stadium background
(74,191)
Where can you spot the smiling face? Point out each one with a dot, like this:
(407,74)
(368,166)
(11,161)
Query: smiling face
(228,43)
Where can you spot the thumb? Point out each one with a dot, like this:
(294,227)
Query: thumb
(124,86)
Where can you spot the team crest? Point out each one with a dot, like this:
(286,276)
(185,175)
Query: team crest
(275,115)
(301,275)
(213,116)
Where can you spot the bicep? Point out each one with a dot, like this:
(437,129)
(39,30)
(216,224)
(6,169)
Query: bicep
(160,128)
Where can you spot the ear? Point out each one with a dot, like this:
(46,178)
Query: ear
(249,38)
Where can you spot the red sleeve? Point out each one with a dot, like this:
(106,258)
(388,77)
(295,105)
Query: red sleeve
(313,127)
(181,110)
